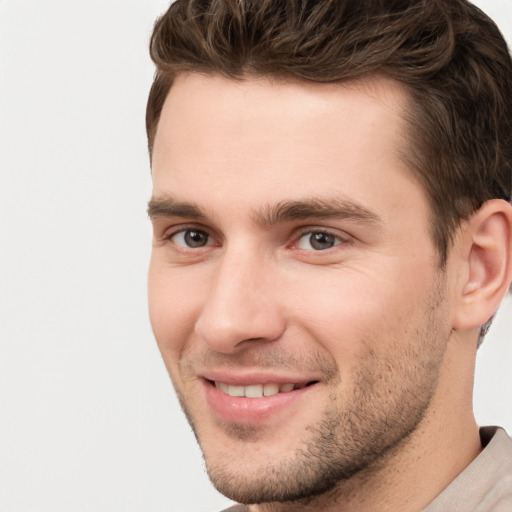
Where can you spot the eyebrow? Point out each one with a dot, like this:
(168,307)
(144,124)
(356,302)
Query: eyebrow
(319,208)
(168,206)
(339,208)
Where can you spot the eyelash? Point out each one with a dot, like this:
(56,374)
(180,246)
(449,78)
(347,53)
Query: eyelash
(337,238)
(168,237)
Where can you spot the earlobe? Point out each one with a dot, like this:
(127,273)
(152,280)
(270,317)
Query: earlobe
(488,262)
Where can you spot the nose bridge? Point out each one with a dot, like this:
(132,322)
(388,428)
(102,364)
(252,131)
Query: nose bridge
(242,303)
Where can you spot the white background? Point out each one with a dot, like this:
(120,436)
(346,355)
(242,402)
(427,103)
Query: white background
(88,420)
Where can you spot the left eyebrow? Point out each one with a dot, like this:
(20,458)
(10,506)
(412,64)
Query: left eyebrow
(317,208)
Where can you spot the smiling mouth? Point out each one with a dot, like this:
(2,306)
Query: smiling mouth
(258,390)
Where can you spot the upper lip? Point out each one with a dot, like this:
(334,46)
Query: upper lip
(246,378)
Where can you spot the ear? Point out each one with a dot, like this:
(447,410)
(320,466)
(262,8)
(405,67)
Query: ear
(487,258)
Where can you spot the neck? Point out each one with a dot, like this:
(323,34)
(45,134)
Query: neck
(417,470)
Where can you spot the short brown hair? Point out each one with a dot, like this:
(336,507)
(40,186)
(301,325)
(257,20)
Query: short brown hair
(449,54)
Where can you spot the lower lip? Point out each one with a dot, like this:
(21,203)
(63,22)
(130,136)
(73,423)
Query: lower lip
(251,410)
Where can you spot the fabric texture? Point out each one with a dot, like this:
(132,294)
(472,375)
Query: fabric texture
(484,486)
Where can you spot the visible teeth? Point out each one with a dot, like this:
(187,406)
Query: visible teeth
(256,390)
(222,386)
(236,390)
(270,389)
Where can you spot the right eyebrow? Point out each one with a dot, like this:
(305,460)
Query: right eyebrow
(168,206)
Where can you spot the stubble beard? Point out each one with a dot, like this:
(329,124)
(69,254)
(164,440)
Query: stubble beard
(354,435)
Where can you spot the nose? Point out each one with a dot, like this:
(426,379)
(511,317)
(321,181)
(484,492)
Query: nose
(242,306)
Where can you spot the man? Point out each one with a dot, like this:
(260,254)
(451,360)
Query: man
(332,236)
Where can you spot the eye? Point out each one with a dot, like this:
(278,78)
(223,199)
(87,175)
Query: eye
(191,238)
(317,241)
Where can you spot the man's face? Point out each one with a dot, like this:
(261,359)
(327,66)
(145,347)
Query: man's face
(294,289)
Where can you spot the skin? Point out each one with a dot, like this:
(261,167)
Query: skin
(367,314)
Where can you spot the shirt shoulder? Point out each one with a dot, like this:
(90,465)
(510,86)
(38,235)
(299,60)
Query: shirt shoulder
(486,484)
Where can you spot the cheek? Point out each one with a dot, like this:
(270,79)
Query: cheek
(347,309)
(172,309)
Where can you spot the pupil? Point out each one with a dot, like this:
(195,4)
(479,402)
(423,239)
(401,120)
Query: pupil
(195,238)
(321,241)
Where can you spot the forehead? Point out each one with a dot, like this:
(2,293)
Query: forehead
(267,141)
